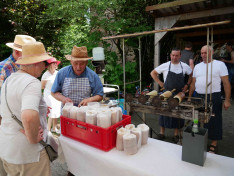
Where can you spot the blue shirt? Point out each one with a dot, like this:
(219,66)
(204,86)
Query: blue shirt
(67,72)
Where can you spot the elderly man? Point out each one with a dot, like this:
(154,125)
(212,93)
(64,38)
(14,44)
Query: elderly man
(174,73)
(77,83)
(9,66)
(219,73)
(20,150)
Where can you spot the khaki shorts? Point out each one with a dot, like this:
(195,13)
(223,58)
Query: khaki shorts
(36,169)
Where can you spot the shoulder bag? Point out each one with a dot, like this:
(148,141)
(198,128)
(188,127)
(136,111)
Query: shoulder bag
(52,152)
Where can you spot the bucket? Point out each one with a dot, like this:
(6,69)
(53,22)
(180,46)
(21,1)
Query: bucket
(98,54)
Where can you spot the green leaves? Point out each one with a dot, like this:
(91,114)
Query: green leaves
(61,24)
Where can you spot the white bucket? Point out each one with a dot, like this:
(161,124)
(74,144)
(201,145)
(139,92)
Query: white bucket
(98,54)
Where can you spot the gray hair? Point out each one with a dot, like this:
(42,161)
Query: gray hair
(26,66)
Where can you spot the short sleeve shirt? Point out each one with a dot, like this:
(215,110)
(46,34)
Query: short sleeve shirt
(219,70)
(23,93)
(67,72)
(176,68)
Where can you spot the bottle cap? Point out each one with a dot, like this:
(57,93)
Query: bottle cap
(195,121)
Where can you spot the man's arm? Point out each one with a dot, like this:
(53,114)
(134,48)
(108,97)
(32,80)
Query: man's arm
(192,87)
(58,96)
(31,123)
(95,98)
(227,90)
(229,61)
(154,75)
(191,64)
(186,86)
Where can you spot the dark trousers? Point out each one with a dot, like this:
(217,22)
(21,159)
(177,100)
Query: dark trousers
(214,126)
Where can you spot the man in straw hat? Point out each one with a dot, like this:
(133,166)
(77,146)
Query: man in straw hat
(20,150)
(8,66)
(77,83)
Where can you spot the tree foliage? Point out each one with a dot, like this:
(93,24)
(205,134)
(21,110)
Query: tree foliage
(61,24)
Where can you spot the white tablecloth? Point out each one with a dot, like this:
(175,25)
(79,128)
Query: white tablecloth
(155,158)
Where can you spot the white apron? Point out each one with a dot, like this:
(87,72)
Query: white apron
(76,89)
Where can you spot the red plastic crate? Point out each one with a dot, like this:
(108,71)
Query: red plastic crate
(101,138)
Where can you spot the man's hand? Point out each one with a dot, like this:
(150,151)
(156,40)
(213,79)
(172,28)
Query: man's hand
(39,136)
(185,88)
(154,75)
(66,100)
(84,102)
(226,104)
(161,84)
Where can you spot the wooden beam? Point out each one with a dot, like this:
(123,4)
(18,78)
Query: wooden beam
(207,13)
(171,4)
(166,30)
(220,41)
(204,33)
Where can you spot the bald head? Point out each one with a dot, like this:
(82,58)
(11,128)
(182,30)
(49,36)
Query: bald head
(204,53)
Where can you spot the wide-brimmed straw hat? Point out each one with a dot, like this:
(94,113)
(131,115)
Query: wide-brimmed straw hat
(52,60)
(33,53)
(78,54)
(19,41)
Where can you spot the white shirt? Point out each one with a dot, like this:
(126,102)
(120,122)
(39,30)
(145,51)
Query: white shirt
(47,76)
(219,70)
(55,112)
(176,68)
(23,92)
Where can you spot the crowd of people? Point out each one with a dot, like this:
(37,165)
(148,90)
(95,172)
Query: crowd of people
(22,102)
(22,99)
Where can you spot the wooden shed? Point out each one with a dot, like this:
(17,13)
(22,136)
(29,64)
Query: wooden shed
(192,12)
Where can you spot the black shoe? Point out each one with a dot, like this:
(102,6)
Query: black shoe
(176,139)
(212,149)
(160,136)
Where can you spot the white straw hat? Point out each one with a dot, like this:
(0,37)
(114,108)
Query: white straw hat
(19,41)
(33,53)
